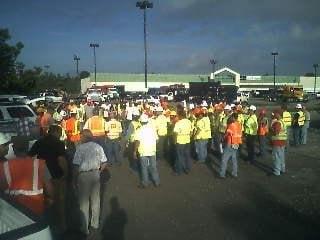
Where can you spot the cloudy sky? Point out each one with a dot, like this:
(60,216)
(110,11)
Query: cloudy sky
(182,34)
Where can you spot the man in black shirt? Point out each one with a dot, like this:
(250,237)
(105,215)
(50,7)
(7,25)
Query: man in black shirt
(52,150)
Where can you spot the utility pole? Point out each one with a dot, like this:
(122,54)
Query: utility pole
(94,46)
(274,54)
(316,65)
(143,5)
(76,59)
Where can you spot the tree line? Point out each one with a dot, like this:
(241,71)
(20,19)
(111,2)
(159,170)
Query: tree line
(15,78)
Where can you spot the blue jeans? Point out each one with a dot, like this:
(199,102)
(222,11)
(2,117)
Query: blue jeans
(113,150)
(183,158)
(297,135)
(278,160)
(288,136)
(201,149)
(149,166)
(229,152)
(251,147)
(304,133)
(262,145)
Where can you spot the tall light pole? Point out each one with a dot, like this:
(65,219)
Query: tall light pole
(316,65)
(76,59)
(274,54)
(94,46)
(213,63)
(143,5)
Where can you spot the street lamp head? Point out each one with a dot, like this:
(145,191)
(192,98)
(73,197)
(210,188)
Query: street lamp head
(144,4)
(274,53)
(212,61)
(315,65)
(94,45)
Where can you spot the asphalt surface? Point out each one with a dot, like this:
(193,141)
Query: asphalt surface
(202,206)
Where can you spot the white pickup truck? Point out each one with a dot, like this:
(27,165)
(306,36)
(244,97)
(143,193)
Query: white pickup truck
(16,222)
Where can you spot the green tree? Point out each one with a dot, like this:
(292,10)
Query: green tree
(8,57)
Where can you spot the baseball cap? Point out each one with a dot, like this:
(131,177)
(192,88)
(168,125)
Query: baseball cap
(4,138)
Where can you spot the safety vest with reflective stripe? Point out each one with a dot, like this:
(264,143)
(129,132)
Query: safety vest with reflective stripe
(263,127)
(283,132)
(251,125)
(72,129)
(301,119)
(25,182)
(114,129)
(286,118)
(207,133)
(97,126)
(234,133)
(162,125)
(223,123)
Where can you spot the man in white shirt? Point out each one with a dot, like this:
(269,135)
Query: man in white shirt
(89,160)
(146,145)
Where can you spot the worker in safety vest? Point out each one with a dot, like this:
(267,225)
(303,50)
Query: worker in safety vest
(72,127)
(200,134)
(223,125)
(263,129)
(232,140)
(306,125)
(133,126)
(250,130)
(161,123)
(145,145)
(297,124)
(26,179)
(287,119)
(114,132)
(182,134)
(278,141)
(97,125)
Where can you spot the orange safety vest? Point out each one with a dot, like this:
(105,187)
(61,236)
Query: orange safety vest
(97,126)
(25,182)
(72,129)
(262,128)
(234,133)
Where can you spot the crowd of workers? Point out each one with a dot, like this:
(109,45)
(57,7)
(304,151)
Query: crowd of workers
(77,142)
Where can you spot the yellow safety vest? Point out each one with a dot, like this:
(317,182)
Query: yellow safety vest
(283,132)
(286,118)
(136,125)
(114,129)
(251,125)
(301,119)
(162,125)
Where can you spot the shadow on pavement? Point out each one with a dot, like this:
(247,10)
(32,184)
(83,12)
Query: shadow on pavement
(114,224)
(268,218)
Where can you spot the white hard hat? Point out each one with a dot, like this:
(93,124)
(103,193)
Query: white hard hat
(4,138)
(144,118)
(232,105)
(227,107)
(253,108)
(299,106)
(159,109)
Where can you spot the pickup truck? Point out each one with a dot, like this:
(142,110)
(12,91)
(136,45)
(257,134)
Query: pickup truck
(17,222)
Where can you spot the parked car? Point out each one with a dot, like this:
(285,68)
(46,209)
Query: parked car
(10,112)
